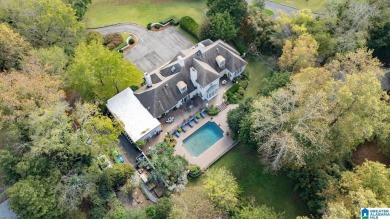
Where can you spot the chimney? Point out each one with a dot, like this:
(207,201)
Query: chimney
(148,80)
(193,75)
(201,48)
(180,60)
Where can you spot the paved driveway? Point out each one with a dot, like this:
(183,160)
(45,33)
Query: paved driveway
(154,48)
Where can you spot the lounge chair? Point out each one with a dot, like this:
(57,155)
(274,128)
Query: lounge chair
(190,123)
(183,128)
(176,133)
(196,119)
(202,114)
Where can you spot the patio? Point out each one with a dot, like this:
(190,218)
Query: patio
(191,108)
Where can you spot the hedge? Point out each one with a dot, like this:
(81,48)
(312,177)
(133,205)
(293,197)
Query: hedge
(188,24)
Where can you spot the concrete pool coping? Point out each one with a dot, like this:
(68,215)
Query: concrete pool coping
(188,146)
(214,152)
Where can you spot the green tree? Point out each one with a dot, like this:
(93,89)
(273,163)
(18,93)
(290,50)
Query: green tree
(169,167)
(97,73)
(33,198)
(237,9)
(222,189)
(275,81)
(298,54)
(80,6)
(251,212)
(120,173)
(193,203)
(163,208)
(259,4)
(13,48)
(43,23)
(93,36)
(53,59)
(219,26)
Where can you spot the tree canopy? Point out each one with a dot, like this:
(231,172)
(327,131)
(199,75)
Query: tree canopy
(98,74)
(13,48)
(237,9)
(222,189)
(43,23)
(219,26)
(324,112)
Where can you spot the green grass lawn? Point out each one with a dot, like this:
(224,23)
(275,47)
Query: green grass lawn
(257,71)
(105,12)
(268,12)
(314,5)
(273,190)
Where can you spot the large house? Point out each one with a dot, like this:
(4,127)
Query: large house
(195,71)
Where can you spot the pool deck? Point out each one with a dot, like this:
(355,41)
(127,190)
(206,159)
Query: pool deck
(213,153)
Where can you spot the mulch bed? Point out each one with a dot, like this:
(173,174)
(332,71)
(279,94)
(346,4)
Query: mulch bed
(132,45)
(369,151)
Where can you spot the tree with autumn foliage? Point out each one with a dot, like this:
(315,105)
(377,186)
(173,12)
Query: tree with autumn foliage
(13,48)
(323,114)
(298,54)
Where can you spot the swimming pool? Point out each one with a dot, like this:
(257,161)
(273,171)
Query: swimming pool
(203,138)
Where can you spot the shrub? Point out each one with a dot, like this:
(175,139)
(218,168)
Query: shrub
(112,40)
(198,116)
(157,26)
(212,111)
(188,24)
(134,87)
(244,84)
(179,129)
(131,41)
(149,26)
(233,89)
(194,170)
(241,91)
(274,82)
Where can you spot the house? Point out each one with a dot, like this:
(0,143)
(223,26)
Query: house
(195,71)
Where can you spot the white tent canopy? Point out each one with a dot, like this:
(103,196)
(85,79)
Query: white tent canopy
(137,120)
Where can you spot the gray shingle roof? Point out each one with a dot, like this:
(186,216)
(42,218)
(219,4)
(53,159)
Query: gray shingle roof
(164,95)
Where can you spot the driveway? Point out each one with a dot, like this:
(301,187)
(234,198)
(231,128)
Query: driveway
(6,212)
(154,48)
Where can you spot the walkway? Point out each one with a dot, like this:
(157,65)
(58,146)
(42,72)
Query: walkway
(154,48)
(6,212)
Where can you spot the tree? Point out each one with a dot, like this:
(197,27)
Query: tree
(97,73)
(323,114)
(275,81)
(336,210)
(222,189)
(193,203)
(80,6)
(349,21)
(43,23)
(120,173)
(237,9)
(33,198)
(169,167)
(22,93)
(93,36)
(53,59)
(257,31)
(13,48)
(163,208)
(219,26)
(299,54)
(367,185)
(251,212)
(259,4)
(290,27)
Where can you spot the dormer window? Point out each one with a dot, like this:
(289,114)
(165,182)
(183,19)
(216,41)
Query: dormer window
(181,86)
(220,61)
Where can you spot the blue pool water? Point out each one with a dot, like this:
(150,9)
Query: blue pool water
(203,138)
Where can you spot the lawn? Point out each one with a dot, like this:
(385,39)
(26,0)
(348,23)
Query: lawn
(314,5)
(269,12)
(105,12)
(258,70)
(273,190)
